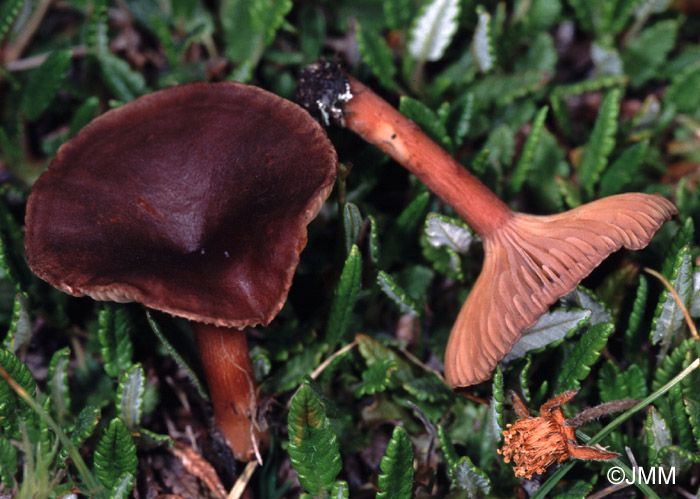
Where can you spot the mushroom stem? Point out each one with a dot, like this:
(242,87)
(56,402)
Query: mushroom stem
(231,382)
(379,123)
(529,263)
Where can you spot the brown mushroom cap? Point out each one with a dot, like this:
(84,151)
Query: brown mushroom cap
(192,200)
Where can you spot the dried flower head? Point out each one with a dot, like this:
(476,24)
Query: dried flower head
(535,443)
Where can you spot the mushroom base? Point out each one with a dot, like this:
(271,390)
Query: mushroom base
(229,372)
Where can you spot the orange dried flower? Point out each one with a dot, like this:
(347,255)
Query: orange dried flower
(535,443)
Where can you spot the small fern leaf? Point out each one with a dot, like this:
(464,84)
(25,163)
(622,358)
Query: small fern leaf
(130,396)
(550,329)
(267,16)
(115,454)
(467,477)
(522,169)
(377,55)
(694,301)
(352,225)
(13,410)
(122,487)
(443,231)
(85,425)
(692,410)
(376,377)
(124,83)
(668,317)
(114,335)
(57,384)
(614,384)
(406,304)
(8,14)
(587,300)
(482,44)
(496,406)
(658,435)
(341,490)
(671,364)
(584,354)
(179,359)
(624,170)
(374,251)
(8,463)
(637,313)
(427,119)
(601,143)
(344,298)
(45,82)
(396,13)
(313,446)
(679,419)
(20,330)
(396,481)
(433,30)
(374,351)
(448,448)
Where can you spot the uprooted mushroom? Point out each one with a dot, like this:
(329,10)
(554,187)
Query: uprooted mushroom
(530,261)
(194,201)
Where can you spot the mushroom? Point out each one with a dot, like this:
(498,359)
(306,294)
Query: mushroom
(192,200)
(530,261)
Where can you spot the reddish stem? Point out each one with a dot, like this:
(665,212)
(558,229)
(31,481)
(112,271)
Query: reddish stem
(377,122)
(231,382)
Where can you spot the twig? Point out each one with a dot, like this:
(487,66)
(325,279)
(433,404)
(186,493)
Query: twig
(242,482)
(37,60)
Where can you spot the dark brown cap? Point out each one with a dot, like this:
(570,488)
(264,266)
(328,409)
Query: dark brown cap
(192,200)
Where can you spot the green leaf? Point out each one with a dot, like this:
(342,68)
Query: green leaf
(57,383)
(647,52)
(616,385)
(397,13)
(344,298)
(447,447)
(8,462)
(179,359)
(45,82)
(396,481)
(115,454)
(124,83)
(550,329)
(8,12)
(373,243)
(374,352)
(637,313)
(461,111)
(694,300)
(312,30)
(85,113)
(313,446)
(85,425)
(682,93)
(657,433)
(668,317)
(122,487)
(679,420)
(340,490)
(467,477)
(406,304)
(624,170)
(14,410)
(433,30)
(578,363)
(130,395)
(20,330)
(427,119)
(692,410)
(496,406)
(601,143)
(114,335)
(585,299)
(352,224)
(442,231)
(482,44)
(377,55)
(522,169)
(376,377)
(267,16)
